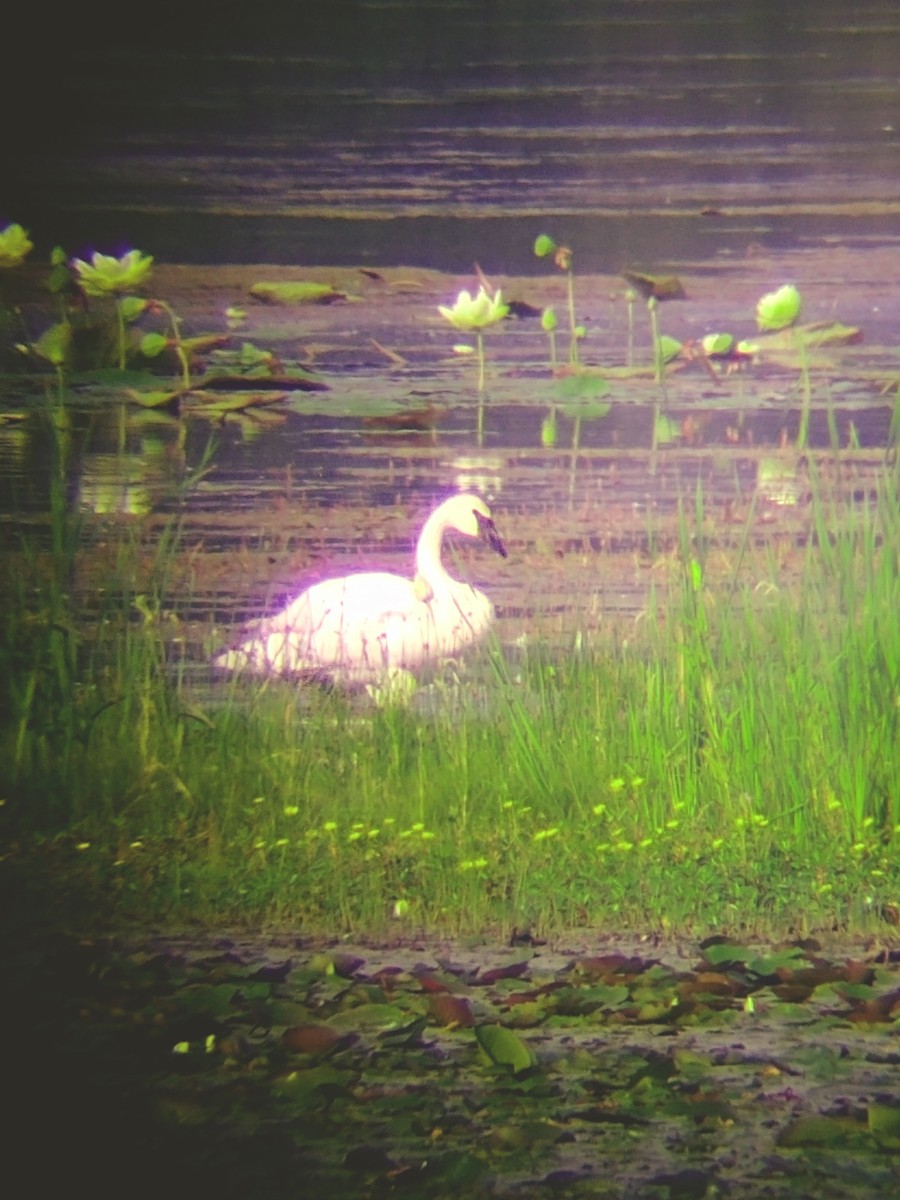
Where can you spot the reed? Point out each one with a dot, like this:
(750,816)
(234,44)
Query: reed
(728,761)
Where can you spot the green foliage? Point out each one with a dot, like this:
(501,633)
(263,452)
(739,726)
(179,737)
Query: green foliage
(244,1049)
(295,292)
(15,246)
(106,275)
(779,309)
(733,766)
(544,245)
(54,344)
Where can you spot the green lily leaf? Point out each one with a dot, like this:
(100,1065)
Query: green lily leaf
(884,1125)
(578,395)
(160,400)
(307,1089)
(232,402)
(204,341)
(54,343)
(837,1133)
(504,1048)
(298,292)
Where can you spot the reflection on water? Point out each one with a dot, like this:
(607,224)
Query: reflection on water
(386,131)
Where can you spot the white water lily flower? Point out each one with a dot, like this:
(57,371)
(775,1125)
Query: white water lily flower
(106,275)
(14,246)
(475,312)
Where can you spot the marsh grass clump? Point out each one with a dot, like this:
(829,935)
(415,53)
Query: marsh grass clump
(728,762)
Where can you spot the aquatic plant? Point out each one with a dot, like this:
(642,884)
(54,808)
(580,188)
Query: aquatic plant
(733,751)
(544,245)
(54,346)
(549,324)
(364,627)
(105,275)
(153,344)
(474,314)
(15,246)
(779,310)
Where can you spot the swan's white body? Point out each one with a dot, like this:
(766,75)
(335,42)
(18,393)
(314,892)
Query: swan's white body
(358,628)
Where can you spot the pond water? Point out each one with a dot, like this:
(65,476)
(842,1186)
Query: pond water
(395,132)
(588,490)
(739,145)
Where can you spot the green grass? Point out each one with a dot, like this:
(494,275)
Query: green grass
(729,761)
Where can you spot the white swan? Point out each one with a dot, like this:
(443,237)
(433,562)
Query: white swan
(357,628)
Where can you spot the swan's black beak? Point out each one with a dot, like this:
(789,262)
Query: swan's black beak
(488,531)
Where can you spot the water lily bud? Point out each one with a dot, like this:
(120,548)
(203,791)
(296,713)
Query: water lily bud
(777,310)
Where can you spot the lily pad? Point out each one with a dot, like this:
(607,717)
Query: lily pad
(299,292)
(504,1048)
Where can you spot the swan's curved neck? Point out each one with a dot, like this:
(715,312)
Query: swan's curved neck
(429,564)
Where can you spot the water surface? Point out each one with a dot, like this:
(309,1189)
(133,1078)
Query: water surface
(386,131)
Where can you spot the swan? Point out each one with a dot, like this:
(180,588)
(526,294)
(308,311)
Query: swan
(361,627)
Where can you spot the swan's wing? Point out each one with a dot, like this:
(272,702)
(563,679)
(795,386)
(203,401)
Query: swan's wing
(334,624)
(360,625)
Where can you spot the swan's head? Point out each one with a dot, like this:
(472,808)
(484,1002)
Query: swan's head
(471,516)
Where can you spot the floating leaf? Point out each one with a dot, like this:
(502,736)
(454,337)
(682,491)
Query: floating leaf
(580,392)
(210,402)
(522,310)
(298,292)
(510,971)
(312,1039)
(544,245)
(504,1047)
(159,400)
(408,420)
(451,1010)
(297,381)
(307,1089)
(203,342)
(837,1133)
(884,1125)
(659,287)
(405,1035)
